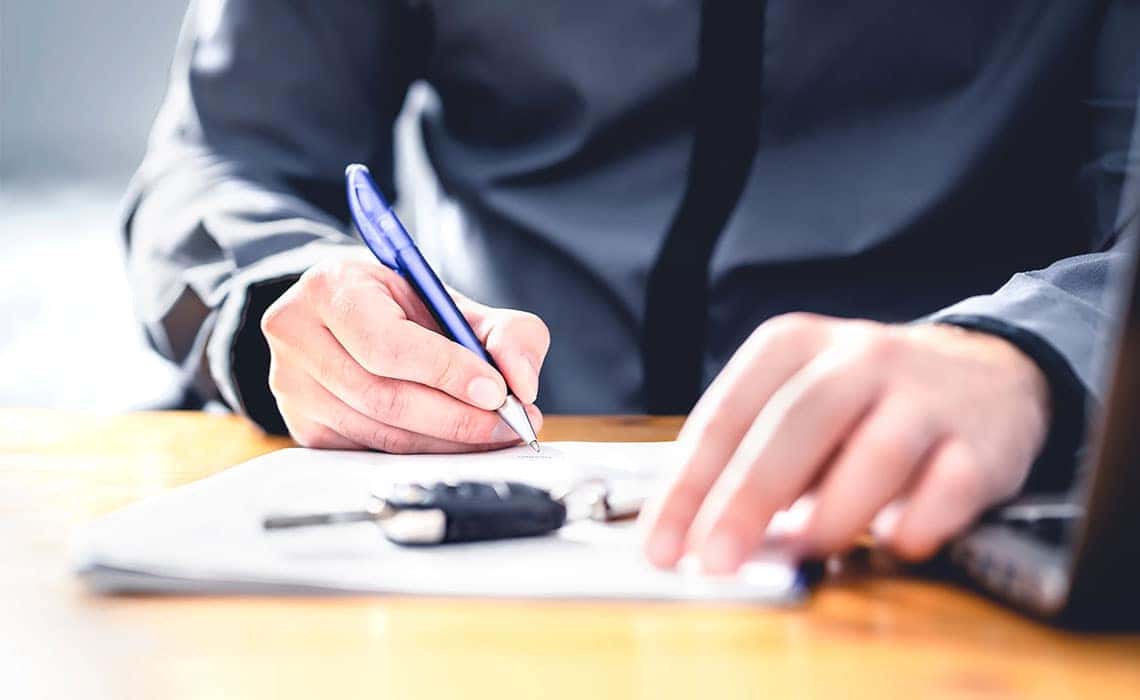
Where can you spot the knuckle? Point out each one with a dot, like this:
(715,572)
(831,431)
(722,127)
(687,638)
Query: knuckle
(376,399)
(336,270)
(445,370)
(526,324)
(384,353)
(273,320)
(340,422)
(317,281)
(331,367)
(804,396)
(344,302)
(390,402)
(784,327)
(468,426)
(784,331)
(870,346)
(812,389)
(399,352)
(383,439)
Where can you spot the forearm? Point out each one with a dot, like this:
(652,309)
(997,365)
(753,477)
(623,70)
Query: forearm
(201,244)
(241,188)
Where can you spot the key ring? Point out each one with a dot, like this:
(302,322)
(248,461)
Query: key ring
(593,499)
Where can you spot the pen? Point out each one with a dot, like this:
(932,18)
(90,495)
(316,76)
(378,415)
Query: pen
(389,241)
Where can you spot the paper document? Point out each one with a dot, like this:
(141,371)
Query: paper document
(207,536)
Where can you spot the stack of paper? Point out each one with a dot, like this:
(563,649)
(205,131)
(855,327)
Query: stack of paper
(208,537)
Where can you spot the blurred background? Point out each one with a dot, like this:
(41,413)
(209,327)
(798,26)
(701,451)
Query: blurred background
(80,82)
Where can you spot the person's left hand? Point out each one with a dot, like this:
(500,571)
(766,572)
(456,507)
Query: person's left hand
(937,421)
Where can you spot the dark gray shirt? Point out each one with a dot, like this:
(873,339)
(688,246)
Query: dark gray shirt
(966,160)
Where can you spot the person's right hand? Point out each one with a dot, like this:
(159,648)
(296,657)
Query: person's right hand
(357,361)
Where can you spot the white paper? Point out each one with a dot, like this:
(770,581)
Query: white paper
(207,536)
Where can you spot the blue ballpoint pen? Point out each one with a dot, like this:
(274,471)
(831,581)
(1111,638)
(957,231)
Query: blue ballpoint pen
(389,241)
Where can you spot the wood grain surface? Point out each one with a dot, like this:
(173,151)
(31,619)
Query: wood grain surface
(861,634)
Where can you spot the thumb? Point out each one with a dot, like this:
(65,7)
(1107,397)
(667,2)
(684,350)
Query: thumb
(518,341)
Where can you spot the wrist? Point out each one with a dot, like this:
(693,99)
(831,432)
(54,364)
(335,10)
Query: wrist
(1067,401)
(1026,385)
(1005,355)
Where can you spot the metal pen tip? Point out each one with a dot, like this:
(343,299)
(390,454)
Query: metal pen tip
(534,446)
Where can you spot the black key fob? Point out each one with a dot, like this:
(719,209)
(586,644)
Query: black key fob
(468,511)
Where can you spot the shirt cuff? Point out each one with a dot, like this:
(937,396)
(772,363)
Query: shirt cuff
(237,352)
(1055,467)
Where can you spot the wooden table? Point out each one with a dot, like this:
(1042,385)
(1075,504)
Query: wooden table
(859,635)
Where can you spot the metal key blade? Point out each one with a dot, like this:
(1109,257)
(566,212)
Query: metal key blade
(279,522)
(377,511)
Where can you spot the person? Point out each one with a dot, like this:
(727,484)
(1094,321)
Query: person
(885,230)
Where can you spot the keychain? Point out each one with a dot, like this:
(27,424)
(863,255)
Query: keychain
(473,511)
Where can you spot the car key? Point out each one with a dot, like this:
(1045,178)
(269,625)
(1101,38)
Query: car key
(442,513)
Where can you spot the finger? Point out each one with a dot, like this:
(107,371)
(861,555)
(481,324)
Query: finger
(949,495)
(311,400)
(407,405)
(372,328)
(309,433)
(781,454)
(517,340)
(875,465)
(711,433)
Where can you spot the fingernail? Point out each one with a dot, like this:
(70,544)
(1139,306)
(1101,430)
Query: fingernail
(721,555)
(664,547)
(485,393)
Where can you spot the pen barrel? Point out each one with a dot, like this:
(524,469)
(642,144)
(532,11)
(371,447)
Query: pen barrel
(419,274)
(514,415)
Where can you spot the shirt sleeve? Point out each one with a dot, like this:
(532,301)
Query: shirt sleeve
(1062,316)
(241,188)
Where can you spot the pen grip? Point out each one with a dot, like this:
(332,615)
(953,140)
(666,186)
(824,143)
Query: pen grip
(423,279)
